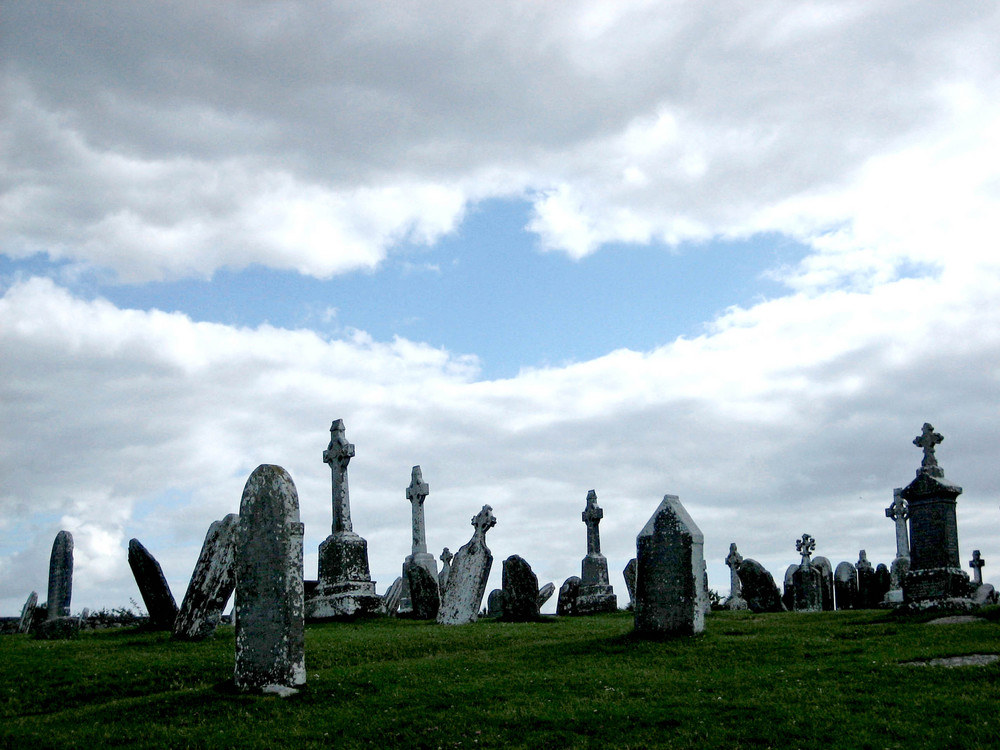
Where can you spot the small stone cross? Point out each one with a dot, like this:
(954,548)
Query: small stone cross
(416,493)
(734,559)
(483,521)
(977,563)
(805,547)
(928,439)
(338,454)
(592,516)
(899,512)
(862,562)
(446,557)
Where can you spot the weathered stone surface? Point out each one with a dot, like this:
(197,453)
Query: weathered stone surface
(867,588)
(984,594)
(669,573)
(28,613)
(629,574)
(568,593)
(152,587)
(417,493)
(807,582)
(733,560)
(545,593)
(976,563)
(60,591)
(883,581)
(825,569)
(596,593)
(212,582)
(463,594)
(390,599)
(424,597)
(845,586)
(58,629)
(270,623)
(446,558)
(519,602)
(788,589)
(494,603)
(759,589)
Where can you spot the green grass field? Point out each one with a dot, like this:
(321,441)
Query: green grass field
(795,680)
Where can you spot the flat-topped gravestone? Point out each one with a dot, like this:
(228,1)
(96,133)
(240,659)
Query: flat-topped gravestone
(733,560)
(519,601)
(825,569)
(568,593)
(345,588)
(28,613)
(629,575)
(152,587)
(759,589)
(807,582)
(669,573)
(270,624)
(470,569)
(596,593)
(212,582)
(845,586)
(60,591)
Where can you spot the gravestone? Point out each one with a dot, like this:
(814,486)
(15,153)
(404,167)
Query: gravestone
(545,593)
(28,613)
(826,579)
(463,595)
(788,589)
(867,587)
(899,512)
(807,582)
(733,560)
(417,493)
(759,590)
(845,585)
(445,559)
(390,599)
(152,587)
(60,576)
(936,573)
(976,563)
(519,601)
(425,601)
(568,593)
(596,593)
(58,629)
(883,580)
(494,603)
(212,582)
(270,622)
(629,574)
(669,573)
(345,588)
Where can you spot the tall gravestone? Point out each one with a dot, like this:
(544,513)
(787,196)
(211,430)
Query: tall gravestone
(759,589)
(596,593)
(152,587)
(270,626)
(899,512)
(845,586)
(825,569)
(519,598)
(470,569)
(417,493)
(733,561)
(936,572)
(60,591)
(807,583)
(425,599)
(670,594)
(866,598)
(212,582)
(345,587)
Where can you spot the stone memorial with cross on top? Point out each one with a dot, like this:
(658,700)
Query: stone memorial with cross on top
(596,593)
(733,560)
(417,493)
(976,563)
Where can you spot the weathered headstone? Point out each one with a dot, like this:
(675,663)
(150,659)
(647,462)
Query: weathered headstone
(845,584)
(788,588)
(866,598)
(899,512)
(669,573)
(545,593)
(345,587)
(270,623)
(826,579)
(494,603)
(807,581)
(446,558)
(883,580)
(629,574)
(976,563)
(417,493)
(759,589)
(733,560)
(463,594)
(519,602)
(152,587)
(60,576)
(984,594)
(390,599)
(936,573)
(28,613)
(425,600)
(58,629)
(568,593)
(212,582)
(596,593)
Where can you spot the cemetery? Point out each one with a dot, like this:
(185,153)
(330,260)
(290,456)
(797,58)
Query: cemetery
(841,655)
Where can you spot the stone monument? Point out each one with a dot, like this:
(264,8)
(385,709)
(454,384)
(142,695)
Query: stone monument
(867,598)
(463,594)
(60,576)
(28,613)
(825,569)
(391,597)
(345,587)
(899,512)
(446,558)
(733,560)
(628,573)
(845,586)
(596,593)
(270,626)
(976,563)
(152,587)
(807,583)
(416,493)
(545,593)
(425,599)
(212,582)
(519,599)
(568,594)
(759,589)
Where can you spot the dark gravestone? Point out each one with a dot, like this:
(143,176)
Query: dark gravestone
(28,613)
(545,593)
(845,585)
(826,579)
(568,592)
(58,629)
(152,587)
(519,601)
(807,582)
(270,623)
(60,576)
(212,582)
(883,582)
(733,561)
(494,603)
(425,601)
(596,594)
(417,493)
(629,574)
(788,590)
(470,570)
(759,590)
(867,595)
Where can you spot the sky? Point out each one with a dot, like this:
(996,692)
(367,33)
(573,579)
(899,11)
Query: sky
(736,252)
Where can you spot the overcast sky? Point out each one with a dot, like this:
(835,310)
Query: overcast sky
(738,252)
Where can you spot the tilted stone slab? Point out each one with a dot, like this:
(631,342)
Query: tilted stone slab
(28,613)
(545,593)
(392,596)
(629,574)
(759,590)
(519,602)
(425,600)
(212,582)
(152,587)
(470,570)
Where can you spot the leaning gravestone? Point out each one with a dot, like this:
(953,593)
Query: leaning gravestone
(519,602)
(568,593)
(28,613)
(845,586)
(545,593)
(152,586)
(270,623)
(807,581)
(463,594)
(629,575)
(425,600)
(390,599)
(669,573)
(212,582)
(759,589)
(60,576)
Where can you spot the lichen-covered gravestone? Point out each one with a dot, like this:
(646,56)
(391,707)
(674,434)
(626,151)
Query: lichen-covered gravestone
(807,584)
(425,600)
(463,594)
(596,593)
(545,593)
(568,593)
(845,585)
(519,602)
(390,599)
(669,573)
(28,613)
(212,582)
(270,623)
(759,589)
(899,512)
(152,587)
(733,560)
(825,569)
(446,558)
(60,591)
(417,493)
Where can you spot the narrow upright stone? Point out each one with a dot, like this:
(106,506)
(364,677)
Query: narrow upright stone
(417,493)
(212,582)
(628,573)
(470,570)
(866,582)
(845,586)
(519,602)
(152,587)
(596,593)
(446,558)
(806,580)
(669,575)
(733,560)
(899,512)
(60,576)
(825,568)
(270,629)
(28,613)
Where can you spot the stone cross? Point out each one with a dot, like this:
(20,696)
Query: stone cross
(927,439)
(862,562)
(446,557)
(483,521)
(592,517)
(733,560)
(805,547)
(416,493)
(977,563)
(338,454)
(899,512)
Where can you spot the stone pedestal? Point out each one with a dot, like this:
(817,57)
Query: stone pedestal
(345,587)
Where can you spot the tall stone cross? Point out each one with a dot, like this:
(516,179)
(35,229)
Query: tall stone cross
(416,493)
(977,563)
(928,439)
(805,547)
(899,512)
(592,516)
(733,560)
(338,454)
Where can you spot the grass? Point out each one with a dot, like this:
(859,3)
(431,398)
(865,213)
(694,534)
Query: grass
(823,680)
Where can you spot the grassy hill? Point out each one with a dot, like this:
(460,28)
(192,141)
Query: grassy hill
(819,681)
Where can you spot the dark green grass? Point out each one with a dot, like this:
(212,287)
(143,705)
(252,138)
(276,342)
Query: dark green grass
(817,681)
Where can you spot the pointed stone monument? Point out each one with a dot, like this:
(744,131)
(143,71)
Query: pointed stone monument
(733,560)
(807,582)
(345,588)
(212,582)
(463,595)
(60,591)
(153,587)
